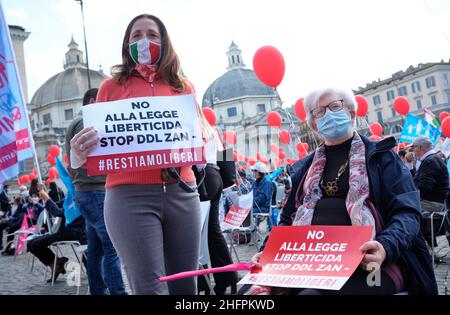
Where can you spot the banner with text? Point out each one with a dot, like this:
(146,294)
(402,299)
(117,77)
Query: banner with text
(144,133)
(415,127)
(317,257)
(15,140)
(238,211)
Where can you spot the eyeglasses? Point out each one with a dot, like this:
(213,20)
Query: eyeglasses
(334,106)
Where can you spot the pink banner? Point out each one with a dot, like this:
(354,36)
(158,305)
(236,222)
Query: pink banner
(8,156)
(22,139)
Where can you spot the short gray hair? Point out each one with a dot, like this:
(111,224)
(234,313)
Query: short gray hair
(313,97)
(423,141)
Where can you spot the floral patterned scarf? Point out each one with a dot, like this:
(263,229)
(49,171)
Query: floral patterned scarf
(357,202)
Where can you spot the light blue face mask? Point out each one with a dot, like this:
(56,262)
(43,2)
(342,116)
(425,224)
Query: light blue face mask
(334,125)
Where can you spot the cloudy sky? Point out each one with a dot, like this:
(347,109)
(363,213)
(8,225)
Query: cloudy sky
(324,42)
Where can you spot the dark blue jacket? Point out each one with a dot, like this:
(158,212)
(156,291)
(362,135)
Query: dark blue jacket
(431,179)
(77,225)
(5,206)
(18,214)
(262,195)
(397,200)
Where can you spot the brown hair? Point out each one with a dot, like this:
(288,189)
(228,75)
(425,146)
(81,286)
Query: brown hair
(168,66)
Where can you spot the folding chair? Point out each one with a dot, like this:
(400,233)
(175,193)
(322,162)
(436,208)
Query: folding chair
(53,225)
(247,227)
(18,233)
(73,245)
(261,216)
(204,250)
(82,251)
(443,226)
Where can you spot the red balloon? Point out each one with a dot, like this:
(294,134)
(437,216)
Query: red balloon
(246,159)
(306,146)
(230,136)
(24,179)
(48,181)
(273,147)
(268,63)
(51,159)
(376,129)
(258,156)
(401,105)
(363,105)
(301,154)
(299,109)
(252,161)
(53,172)
(54,150)
(443,115)
(66,159)
(374,138)
(274,120)
(281,155)
(446,127)
(235,157)
(284,136)
(210,115)
(31,176)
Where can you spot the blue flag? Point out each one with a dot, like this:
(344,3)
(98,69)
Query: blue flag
(448,166)
(71,211)
(272,176)
(15,137)
(415,127)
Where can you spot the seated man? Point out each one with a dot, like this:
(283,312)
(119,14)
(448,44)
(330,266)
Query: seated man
(74,231)
(5,207)
(431,178)
(12,223)
(262,190)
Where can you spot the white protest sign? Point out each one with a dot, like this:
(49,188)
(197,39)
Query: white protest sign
(144,133)
(239,211)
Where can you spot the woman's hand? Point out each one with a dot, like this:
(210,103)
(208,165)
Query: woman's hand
(43,195)
(374,255)
(81,144)
(255,260)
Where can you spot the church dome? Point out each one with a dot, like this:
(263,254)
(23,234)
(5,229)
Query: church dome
(69,84)
(236,82)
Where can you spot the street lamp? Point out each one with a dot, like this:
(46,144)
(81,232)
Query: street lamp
(85,44)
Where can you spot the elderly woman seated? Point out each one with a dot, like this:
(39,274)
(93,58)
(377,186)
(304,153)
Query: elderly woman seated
(350,180)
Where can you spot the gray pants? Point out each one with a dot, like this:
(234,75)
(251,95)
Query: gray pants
(155,233)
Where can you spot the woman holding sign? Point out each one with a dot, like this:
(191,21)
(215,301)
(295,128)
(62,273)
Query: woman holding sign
(350,180)
(153,219)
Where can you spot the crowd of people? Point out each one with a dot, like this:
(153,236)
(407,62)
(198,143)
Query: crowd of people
(148,222)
